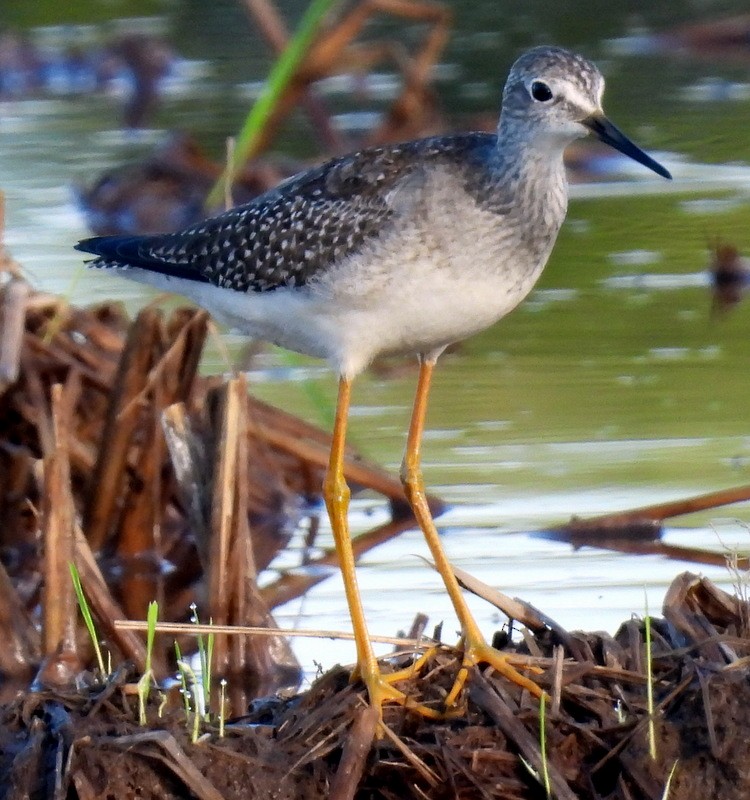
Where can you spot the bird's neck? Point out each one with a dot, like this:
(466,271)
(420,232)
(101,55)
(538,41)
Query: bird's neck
(526,184)
(528,176)
(527,155)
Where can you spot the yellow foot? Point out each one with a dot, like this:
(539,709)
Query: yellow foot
(380,688)
(479,652)
(381,691)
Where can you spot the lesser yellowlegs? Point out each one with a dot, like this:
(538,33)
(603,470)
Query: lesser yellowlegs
(403,248)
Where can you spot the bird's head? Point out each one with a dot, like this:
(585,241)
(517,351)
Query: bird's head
(553,96)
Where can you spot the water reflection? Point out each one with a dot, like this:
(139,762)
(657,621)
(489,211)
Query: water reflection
(610,388)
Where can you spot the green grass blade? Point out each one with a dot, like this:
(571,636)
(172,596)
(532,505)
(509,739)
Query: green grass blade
(152,617)
(87,616)
(144,684)
(543,745)
(206,673)
(650,686)
(668,785)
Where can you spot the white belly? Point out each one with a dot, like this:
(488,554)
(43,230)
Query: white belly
(433,280)
(411,307)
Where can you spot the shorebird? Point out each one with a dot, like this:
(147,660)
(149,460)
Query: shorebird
(405,248)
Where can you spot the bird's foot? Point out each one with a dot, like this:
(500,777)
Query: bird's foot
(381,689)
(477,651)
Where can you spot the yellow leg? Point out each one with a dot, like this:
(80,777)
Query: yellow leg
(336,494)
(476,649)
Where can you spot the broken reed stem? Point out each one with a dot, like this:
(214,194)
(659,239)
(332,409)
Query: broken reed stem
(354,754)
(673,508)
(188,457)
(180,358)
(242,573)
(12,328)
(59,615)
(224,520)
(109,471)
(139,520)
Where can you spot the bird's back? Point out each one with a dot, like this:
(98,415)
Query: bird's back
(289,235)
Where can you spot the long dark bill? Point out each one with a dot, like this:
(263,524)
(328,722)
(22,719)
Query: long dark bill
(608,133)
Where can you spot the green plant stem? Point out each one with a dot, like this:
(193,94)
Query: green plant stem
(183,678)
(278,79)
(222,706)
(87,616)
(206,675)
(670,777)
(650,687)
(543,745)
(144,684)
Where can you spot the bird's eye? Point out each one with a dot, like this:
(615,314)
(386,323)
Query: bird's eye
(541,92)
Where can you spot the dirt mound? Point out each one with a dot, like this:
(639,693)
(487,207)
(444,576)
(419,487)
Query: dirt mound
(325,743)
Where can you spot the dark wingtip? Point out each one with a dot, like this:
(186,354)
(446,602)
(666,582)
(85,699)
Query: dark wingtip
(118,250)
(107,246)
(122,252)
(83,246)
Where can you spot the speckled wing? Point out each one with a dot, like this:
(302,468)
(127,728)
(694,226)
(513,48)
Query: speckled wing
(291,233)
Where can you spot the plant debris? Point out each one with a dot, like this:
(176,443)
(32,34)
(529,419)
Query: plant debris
(117,455)
(324,743)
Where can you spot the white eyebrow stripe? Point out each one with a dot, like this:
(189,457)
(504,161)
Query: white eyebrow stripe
(580,100)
